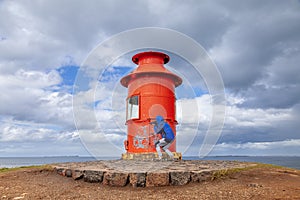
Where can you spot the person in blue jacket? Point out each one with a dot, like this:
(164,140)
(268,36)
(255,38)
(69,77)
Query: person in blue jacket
(167,136)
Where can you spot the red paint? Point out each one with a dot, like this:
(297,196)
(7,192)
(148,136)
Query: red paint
(151,92)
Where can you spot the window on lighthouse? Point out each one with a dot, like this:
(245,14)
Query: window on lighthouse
(133,108)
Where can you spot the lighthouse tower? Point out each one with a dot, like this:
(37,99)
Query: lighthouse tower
(151,92)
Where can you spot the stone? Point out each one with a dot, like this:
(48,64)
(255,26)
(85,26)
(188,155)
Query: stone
(254,185)
(115,179)
(68,173)
(77,174)
(60,171)
(200,176)
(93,176)
(155,179)
(180,178)
(137,179)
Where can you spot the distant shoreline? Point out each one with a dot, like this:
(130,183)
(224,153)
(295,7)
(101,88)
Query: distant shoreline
(10,162)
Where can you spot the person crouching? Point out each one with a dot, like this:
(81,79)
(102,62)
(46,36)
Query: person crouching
(167,136)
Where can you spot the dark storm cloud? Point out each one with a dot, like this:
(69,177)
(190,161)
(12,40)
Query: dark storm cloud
(259,54)
(242,135)
(284,96)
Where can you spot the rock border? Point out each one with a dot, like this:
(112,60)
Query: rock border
(177,174)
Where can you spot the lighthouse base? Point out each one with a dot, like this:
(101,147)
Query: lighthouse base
(150,156)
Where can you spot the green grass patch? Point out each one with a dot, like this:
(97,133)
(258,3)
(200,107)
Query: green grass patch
(41,167)
(226,172)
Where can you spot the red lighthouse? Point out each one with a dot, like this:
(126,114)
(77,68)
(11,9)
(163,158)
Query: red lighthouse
(151,92)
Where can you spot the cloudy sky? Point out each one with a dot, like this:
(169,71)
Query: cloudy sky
(255,46)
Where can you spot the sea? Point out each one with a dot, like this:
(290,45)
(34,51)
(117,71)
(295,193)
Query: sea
(11,162)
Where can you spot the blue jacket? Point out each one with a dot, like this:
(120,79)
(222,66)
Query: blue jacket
(164,129)
(168,133)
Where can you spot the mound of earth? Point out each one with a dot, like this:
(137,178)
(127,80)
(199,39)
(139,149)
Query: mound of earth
(258,183)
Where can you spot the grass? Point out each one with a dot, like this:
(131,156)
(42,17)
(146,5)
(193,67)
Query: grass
(44,167)
(227,172)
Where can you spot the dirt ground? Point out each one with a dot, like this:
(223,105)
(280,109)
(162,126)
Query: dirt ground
(258,183)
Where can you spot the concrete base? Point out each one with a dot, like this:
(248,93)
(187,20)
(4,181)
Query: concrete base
(149,156)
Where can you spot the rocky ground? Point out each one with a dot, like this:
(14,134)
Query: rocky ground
(256,183)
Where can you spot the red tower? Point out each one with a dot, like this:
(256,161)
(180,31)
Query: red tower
(151,92)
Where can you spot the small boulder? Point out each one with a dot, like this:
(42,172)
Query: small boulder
(93,176)
(155,179)
(115,179)
(180,178)
(68,173)
(137,179)
(60,171)
(200,176)
(77,174)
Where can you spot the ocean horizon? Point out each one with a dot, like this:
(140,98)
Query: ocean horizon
(11,162)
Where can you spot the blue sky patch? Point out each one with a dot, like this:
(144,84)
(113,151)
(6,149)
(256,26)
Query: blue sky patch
(68,73)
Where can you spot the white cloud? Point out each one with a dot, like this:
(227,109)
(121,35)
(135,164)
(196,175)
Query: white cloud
(241,124)
(102,142)
(15,131)
(256,51)
(262,145)
(285,147)
(29,96)
(239,117)
(29,79)
(194,110)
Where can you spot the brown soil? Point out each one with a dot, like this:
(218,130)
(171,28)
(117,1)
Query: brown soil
(259,183)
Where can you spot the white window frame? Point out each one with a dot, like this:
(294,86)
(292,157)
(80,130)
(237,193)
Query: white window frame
(133,107)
